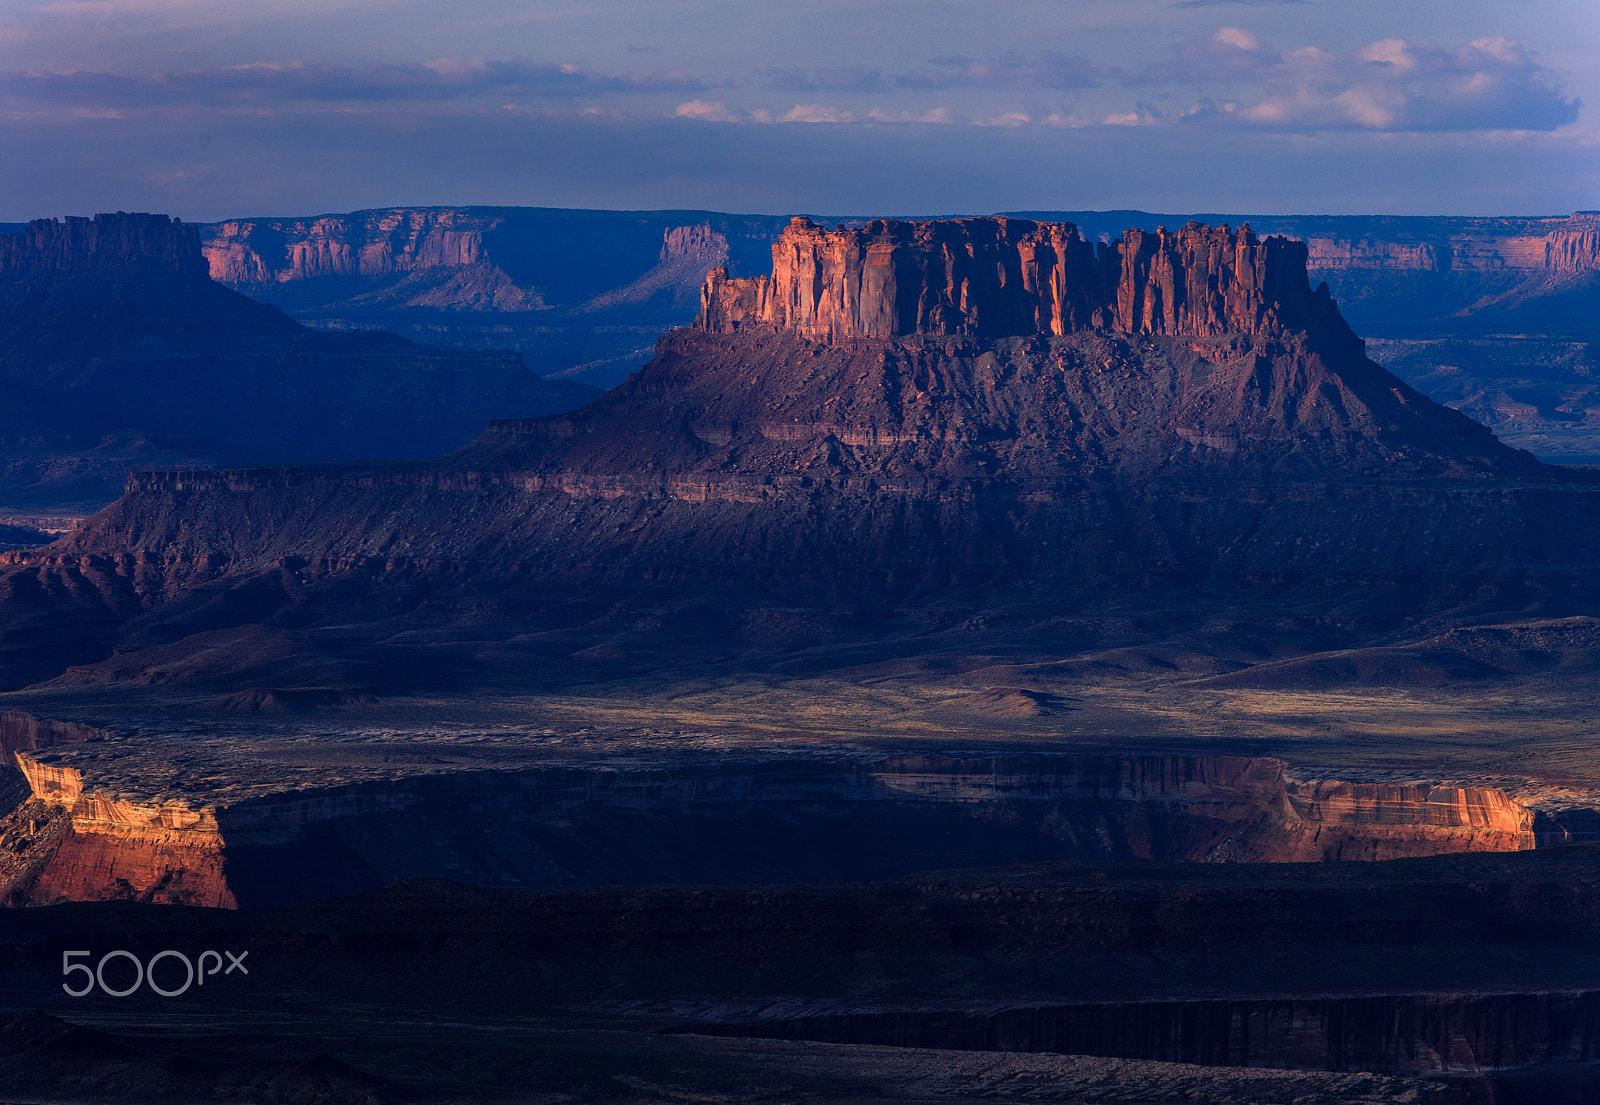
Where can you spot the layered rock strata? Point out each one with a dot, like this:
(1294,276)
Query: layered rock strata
(502,260)
(1545,247)
(398,240)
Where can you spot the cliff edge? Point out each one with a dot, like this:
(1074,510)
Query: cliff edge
(119,242)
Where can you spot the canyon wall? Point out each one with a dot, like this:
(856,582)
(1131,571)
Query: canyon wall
(375,243)
(580,294)
(500,260)
(24,732)
(1547,247)
(1009,277)
(790,819)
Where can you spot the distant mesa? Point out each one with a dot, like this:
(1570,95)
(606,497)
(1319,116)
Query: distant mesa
(478,260)
(583,294)
(119,352)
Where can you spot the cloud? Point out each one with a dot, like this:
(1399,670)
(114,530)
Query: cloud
(714,111)
(815,113)
(335,161)
(941,116)
(1388,85)
(1232,77)
(1231,54)
(268,83)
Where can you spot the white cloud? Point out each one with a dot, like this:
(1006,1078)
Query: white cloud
(940,115)
(1071,119)
(714,111)
(1240,39)
(815,113)
(1390,85)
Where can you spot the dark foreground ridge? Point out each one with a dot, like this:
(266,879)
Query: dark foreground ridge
(1455,979)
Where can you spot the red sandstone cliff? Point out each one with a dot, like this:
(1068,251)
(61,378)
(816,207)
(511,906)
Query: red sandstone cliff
(991,278)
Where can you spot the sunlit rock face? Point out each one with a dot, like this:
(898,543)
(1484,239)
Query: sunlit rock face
(1013,277)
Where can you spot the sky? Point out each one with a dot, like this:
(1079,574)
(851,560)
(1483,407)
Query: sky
(210,109)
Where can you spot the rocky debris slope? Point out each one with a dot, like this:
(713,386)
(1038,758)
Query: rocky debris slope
(40,1054)
(117,350)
